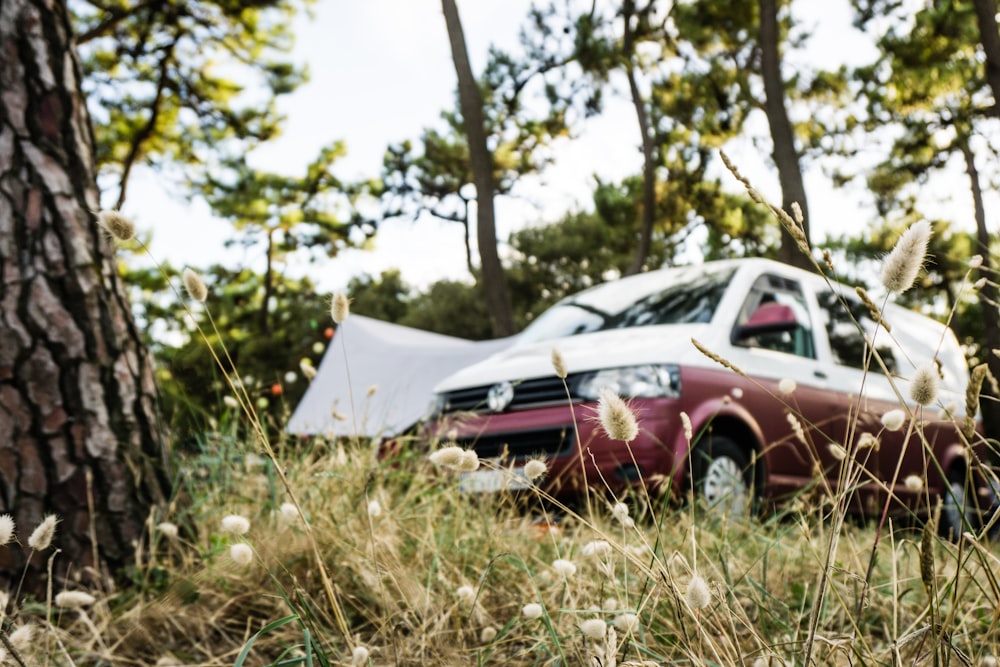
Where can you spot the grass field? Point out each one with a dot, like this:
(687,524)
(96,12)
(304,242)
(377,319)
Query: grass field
(280,552)
(420,574)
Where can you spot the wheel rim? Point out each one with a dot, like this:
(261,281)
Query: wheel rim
(957,507)
(724,487)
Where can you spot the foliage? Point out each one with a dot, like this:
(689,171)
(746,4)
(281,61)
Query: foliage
(188,84)
(315,212)
(191,380)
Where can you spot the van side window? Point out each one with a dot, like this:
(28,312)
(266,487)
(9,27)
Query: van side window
(775,317)
(843,314)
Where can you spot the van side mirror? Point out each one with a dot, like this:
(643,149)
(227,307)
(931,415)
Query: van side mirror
(769,318)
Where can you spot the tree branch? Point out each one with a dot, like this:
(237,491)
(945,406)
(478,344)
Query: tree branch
(147,130)
(115,16)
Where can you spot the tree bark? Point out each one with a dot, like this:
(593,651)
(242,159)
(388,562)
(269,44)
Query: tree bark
(989,37)
(264,316)
(79,436)
(481,162)
(648,158)
(988,294)
(786,157)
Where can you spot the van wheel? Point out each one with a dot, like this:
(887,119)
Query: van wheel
(959,507)
(723,476)
(962,510)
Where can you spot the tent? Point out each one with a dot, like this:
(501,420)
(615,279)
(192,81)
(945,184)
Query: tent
(377,378)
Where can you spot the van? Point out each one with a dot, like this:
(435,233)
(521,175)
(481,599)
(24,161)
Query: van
(798,392)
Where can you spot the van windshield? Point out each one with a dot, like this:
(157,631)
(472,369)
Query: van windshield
(672,296)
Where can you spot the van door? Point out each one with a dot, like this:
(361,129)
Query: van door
(857,375)
(774,340)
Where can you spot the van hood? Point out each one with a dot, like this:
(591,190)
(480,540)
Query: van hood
(615,348)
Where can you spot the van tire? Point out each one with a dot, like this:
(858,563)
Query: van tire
(723,477)
(957,498)
(956,501)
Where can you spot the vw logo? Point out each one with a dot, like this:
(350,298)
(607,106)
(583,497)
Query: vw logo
(499,396)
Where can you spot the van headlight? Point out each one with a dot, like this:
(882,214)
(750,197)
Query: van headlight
(646,381)
(434,408)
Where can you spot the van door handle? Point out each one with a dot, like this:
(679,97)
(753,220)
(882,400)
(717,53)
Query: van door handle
(820,374)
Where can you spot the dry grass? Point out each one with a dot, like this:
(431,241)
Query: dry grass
(399,576)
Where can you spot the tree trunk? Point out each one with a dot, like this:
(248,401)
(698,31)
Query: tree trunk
(786,157)
(648,164)
(79,436)
(264,316)
(988,294)
(989,37)
(481,162)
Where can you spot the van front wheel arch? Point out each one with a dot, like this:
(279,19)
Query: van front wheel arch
(723,475)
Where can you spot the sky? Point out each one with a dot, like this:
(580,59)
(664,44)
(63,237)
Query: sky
(381,71)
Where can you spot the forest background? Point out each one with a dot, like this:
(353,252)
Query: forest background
(603,126)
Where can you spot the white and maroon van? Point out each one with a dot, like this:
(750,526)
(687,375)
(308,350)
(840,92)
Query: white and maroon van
(778,325)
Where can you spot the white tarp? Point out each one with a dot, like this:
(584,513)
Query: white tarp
(377,378)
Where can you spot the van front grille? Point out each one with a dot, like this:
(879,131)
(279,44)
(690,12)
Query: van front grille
(527,393)
(522,444)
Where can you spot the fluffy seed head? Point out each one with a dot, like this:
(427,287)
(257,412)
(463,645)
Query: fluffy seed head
(837,452)
(924,385)
(116,224)
(558,364)
(231,402)
(194,285)
(6,529)
(532,611)
(469,461)
(903,264)
(698,596)
(893,420)
(466,593)
(308,370)
(627,623)
(616,417)
(797,429)
(688,429)
(241,553)
(42,536)
(448,457)
(620,512)
(359,656)
(340,307)
(868,441)
(972,392)
(534,469)
(74,599)
(564,568)
(22,637)
(787,386)
(913,483)
(235,524)
(168,530)
(594,628)
(975,261)
(288,512)
(488,634)
(596,549)
(374,509)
